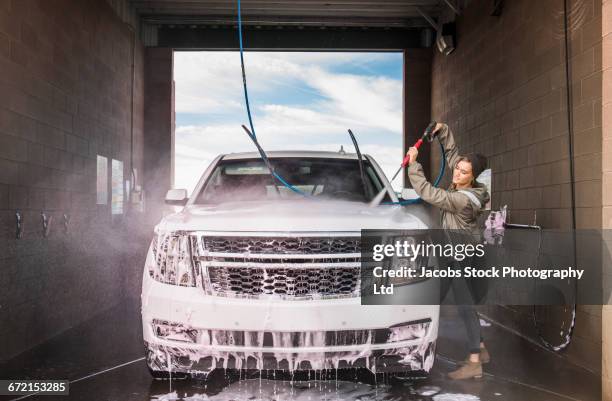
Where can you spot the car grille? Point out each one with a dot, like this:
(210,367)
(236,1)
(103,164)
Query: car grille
(291,268)
(289,245)
(292,282)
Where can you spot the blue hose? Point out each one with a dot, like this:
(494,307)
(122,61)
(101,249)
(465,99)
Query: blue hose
(252,135)
(291,187)
(244,83)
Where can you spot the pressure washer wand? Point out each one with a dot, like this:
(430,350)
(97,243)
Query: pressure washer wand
(426,135)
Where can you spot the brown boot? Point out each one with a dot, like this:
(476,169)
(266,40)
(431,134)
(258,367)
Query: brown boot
(485,357)
(467,371)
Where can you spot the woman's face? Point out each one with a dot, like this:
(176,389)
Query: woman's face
(462,175)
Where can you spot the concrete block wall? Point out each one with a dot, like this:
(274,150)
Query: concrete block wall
(503,92)
(65,84)
(416,101)
(606,146)
(159,125)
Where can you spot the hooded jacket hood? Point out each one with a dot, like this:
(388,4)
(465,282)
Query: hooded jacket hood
(478,195)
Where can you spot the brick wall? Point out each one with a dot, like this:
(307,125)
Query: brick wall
(65,80)
(503,92)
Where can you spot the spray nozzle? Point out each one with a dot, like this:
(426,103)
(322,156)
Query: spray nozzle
(429,133)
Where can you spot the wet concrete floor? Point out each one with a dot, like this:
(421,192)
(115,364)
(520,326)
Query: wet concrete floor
(103,359)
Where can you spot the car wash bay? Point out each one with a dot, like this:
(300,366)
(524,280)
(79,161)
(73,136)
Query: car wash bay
(87,87)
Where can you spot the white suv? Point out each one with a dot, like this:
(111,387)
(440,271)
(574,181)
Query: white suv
(251,275)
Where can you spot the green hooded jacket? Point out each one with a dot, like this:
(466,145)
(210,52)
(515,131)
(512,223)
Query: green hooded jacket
(459,208)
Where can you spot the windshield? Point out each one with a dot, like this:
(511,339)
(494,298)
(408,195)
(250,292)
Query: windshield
(250,180)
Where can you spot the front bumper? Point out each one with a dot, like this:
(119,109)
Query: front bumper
(192,311)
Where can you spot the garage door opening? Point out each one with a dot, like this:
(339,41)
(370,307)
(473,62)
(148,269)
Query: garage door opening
(299,101)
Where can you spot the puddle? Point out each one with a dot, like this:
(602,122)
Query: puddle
(312,390)
(272,390)
(428,390)
(455,397)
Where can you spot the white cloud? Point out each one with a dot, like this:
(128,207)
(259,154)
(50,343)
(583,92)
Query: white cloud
(372,101)
(210,83)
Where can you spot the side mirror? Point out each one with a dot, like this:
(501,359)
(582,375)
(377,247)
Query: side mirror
(409,194)
(176,197)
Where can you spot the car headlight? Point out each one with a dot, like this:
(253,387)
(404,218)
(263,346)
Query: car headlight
(408,262)
(409,331)
(406,265)
(174,331)
(172,261)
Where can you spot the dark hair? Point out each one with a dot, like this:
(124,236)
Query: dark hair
(478,161)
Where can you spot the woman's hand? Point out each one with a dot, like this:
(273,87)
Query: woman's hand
(413,153)
(430,136)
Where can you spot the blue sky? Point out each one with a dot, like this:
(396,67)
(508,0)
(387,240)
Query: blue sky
(298,101)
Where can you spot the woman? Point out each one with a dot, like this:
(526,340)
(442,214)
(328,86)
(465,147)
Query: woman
(461,205)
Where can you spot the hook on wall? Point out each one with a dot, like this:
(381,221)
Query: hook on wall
(19,223)
(46,223)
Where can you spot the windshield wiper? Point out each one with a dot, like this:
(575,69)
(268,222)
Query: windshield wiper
(366,189)
(264,157)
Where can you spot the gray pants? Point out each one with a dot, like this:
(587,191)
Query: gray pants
(466,293)
(468,314)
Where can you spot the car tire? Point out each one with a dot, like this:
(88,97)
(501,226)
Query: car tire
(399,378)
